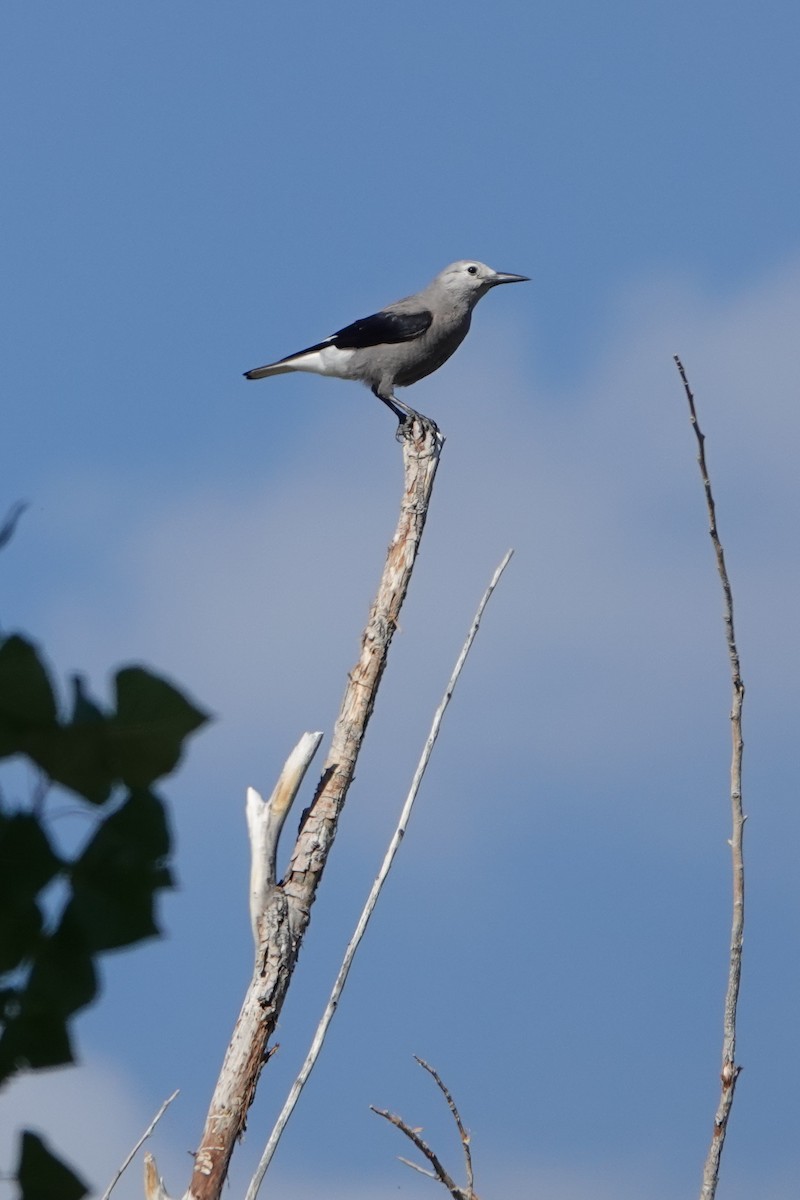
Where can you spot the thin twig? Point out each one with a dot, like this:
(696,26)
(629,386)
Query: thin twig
(10,520)
(462,1132)
(372,899)
(139,1144)
(407,1161)
(730,1068)
(438,1173)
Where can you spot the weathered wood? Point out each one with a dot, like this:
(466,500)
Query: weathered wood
(265,820)
(288,905)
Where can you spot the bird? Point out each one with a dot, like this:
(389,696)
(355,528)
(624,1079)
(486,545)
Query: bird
(403,342)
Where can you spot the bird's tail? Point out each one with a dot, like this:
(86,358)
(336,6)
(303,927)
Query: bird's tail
(269,369)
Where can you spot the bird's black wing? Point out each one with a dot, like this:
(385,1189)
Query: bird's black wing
(382,328)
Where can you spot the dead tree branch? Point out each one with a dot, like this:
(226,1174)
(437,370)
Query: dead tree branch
(369,907)
(285,908)
(438,1173)
(730,1069)
(265,820)
(153,1183)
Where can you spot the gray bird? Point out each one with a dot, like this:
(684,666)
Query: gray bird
(403,342)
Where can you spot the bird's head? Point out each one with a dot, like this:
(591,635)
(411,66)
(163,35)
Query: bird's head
(470,279)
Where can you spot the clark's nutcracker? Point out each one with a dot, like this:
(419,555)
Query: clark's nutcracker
(403,342)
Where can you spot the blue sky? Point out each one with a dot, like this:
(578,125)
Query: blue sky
(191,190)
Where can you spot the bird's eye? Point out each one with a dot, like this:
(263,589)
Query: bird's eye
(473,270)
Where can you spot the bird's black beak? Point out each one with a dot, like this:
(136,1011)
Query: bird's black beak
(500,277)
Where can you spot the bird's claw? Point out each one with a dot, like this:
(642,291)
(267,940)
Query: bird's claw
(406,421)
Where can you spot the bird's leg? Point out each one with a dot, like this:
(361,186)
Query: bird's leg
(404,413)
(400,410)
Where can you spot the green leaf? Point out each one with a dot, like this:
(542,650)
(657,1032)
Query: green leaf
(93,751)
(27,864)
(76,756)
(27,861)
(84,708)
(63,977)
(32,1040)
(27,702)
(20,927)
(116,877)
(42,1176)
(152,721)
(61,981)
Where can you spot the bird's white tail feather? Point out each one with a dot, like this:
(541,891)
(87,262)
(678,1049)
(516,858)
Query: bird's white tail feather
(269,369)
(325,360)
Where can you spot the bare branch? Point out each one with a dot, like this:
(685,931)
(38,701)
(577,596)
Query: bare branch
(369,908)
(287,909)
(139,1145)
(730,1069)
(265,821)
(438,1173)
(462,1132)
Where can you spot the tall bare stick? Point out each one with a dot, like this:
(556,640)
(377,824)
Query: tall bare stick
(730,1069)
(286,906)
(369,908)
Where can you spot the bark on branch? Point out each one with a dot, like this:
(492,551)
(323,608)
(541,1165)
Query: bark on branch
(280,911)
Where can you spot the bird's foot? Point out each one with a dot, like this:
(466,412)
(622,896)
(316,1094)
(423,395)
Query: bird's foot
(407,418)
(425,426)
